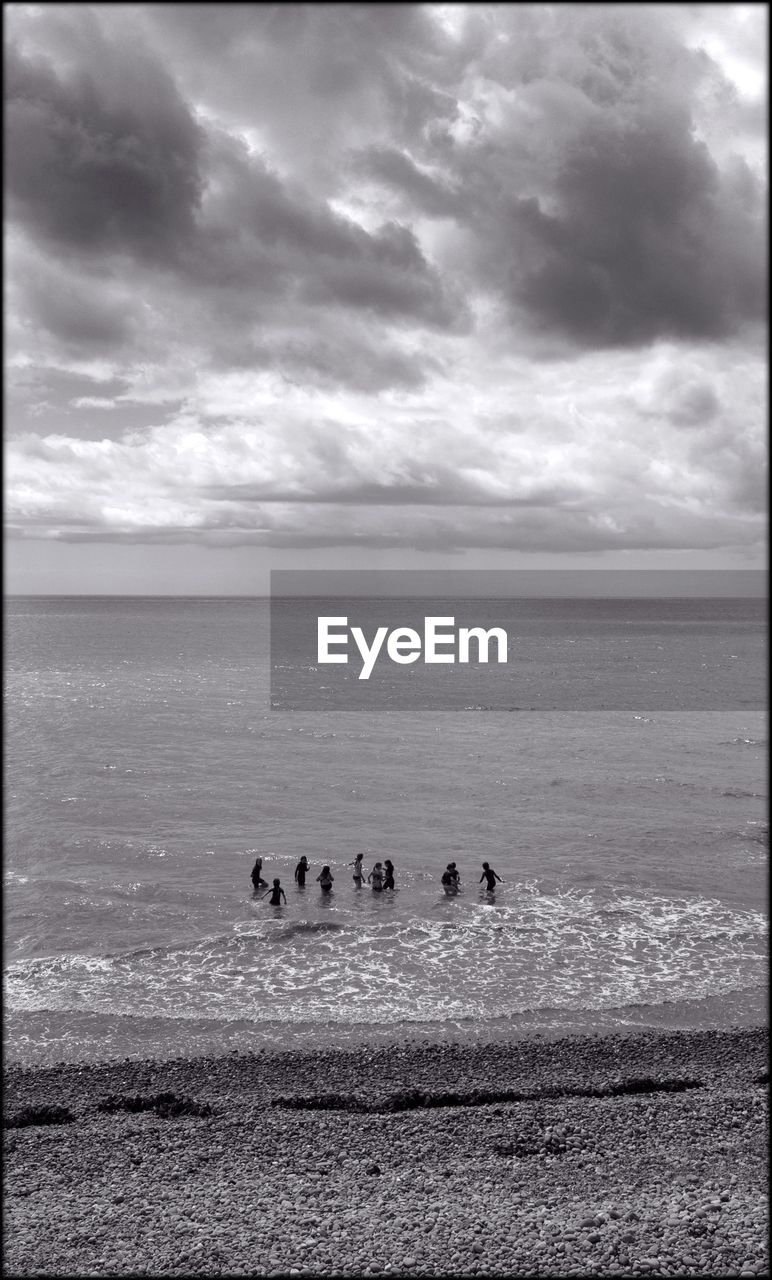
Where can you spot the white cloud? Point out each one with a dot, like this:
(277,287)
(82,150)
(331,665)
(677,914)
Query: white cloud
(389,308)
(612,451)
(94,402)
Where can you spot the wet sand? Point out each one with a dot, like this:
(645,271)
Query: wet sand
(601,1155)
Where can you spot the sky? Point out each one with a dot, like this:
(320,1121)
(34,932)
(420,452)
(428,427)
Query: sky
(373,286)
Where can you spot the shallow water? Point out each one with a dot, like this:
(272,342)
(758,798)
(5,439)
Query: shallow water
(145,772)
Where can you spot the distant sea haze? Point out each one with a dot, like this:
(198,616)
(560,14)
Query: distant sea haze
(146,771)
(514,584)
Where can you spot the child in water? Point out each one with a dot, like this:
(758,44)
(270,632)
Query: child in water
(277,893)
(388,882)
(358,872)
(450,879)
(257,875)
(375,877)
(300,872)
(325,879)
(491,876)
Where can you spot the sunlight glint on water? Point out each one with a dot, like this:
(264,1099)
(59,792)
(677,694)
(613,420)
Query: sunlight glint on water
(144,774)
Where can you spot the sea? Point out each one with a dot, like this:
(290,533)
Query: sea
(146,769)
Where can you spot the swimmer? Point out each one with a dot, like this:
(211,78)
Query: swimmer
(388,881)
(277,893)
(491,876)
(300,872)
(376,877)
(257,875)
(325,880)
(450,880)
(358,875)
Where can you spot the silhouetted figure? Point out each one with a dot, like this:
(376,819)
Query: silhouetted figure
(358,870)
(388,879)
(450,879)
(325,880)
(491,876)
(300,872)
(375,877)
(454,873)
(277,893)
(257,875)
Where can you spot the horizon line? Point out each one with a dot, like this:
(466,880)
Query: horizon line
(130,595)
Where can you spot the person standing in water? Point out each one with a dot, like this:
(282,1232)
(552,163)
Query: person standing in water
(450,880)
(358,872)
(257,875)
(325,880)
(388,880)
(300,872)
(491,876)
(455,875)
(375,877)
(277,893)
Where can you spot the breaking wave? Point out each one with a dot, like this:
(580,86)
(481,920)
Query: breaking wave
(571,950)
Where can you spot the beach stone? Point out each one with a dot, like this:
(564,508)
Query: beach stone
(218,1204)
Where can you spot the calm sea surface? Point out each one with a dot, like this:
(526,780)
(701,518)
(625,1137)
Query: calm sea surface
(145,771)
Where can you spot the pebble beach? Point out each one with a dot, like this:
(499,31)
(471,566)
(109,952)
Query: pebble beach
(635,1154)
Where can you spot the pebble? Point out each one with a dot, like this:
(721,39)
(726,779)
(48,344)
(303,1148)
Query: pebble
(265,1191)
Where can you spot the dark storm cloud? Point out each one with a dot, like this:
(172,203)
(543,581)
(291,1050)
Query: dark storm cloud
(82,313)
(589,202)
(594,205)
(103,159)
(257,229)
(387,274)
(650,239)
(109,164)
(384,276)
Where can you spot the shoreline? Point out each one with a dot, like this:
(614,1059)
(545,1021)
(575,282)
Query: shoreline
(576,1056)
(33,1034)
(554,1157)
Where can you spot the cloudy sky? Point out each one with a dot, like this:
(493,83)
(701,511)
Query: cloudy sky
(382,286)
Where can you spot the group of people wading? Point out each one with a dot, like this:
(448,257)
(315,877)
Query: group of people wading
(381,877)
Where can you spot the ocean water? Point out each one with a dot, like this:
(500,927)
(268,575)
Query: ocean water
(145,770)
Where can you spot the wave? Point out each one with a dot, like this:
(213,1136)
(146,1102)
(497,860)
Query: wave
(50,1036)
(570,950)
(14,877)
(305,928)
(243,939)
